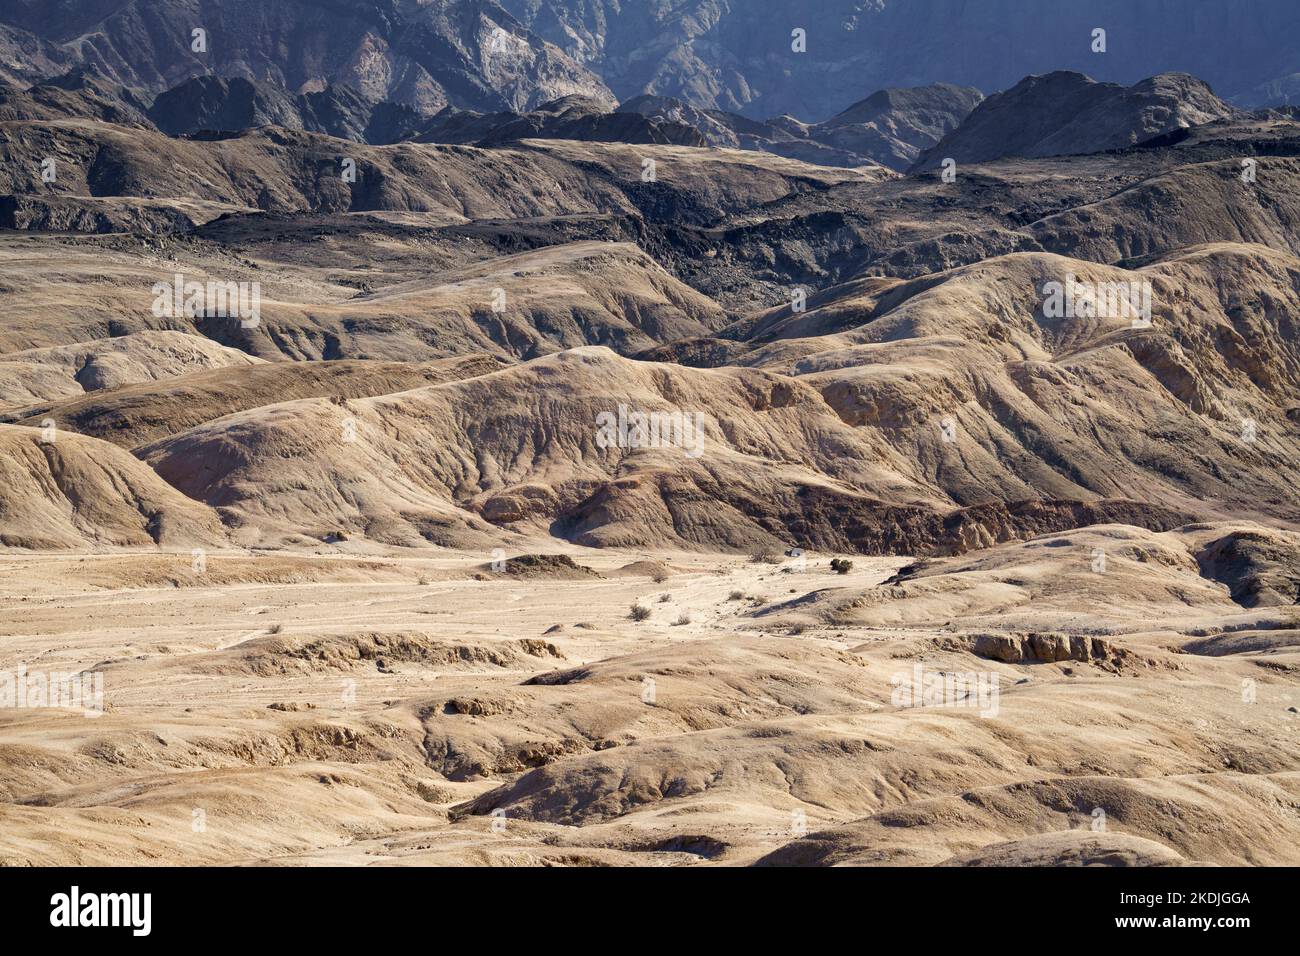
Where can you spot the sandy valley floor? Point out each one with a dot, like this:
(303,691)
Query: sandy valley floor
(396,710)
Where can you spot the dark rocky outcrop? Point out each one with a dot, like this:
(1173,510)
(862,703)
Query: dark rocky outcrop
(1065,113)
(571,117)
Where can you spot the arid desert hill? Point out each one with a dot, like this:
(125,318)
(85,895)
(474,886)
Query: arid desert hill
(569,502)
(916,399)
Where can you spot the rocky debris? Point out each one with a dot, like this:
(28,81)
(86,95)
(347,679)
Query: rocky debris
(542,566)
(284,654)
(477,706)
(1049,649)
(512,758)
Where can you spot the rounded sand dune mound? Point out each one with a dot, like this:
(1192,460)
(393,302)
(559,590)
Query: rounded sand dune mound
(980,379)
(135,415)
(516,306)
(1074,848)
(558,567)
(530,304)
(1272,641)
(59,490)
(1098,580)
(1260,567)
(65,371)
(1088,821)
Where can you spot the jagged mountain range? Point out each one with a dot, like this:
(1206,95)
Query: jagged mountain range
(515,55)
(895,128)
(478,71)
(891,127)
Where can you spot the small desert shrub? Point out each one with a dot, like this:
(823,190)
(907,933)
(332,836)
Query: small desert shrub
(841,566)
(683,619)
(659,577)
(639,612)
(665,598)
(277,628)
(735,595)
(758,599)
(764,557)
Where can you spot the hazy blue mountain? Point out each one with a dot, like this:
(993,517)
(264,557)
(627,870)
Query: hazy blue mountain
(467,53)
(215,103)
(736,54)
(1064,113)
(727,68)
(892,127)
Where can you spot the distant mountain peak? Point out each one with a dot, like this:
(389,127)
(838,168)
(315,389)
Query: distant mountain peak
(1065,112)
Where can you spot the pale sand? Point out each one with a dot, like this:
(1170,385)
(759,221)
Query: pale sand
(767,721)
